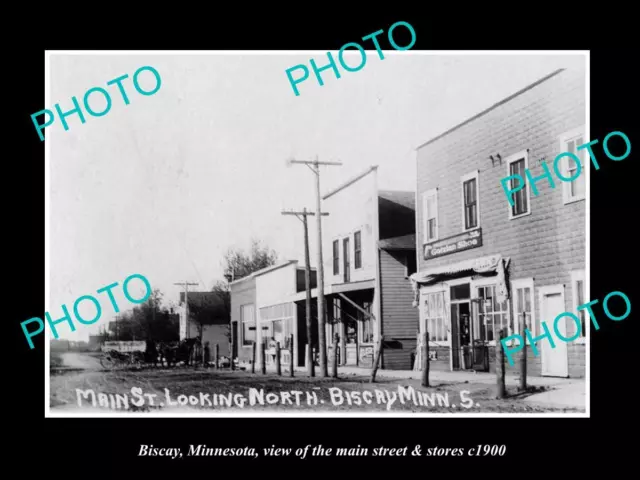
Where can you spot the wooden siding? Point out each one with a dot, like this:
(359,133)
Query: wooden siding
(242,294)
(399,317)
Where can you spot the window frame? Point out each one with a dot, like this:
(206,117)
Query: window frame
(336,258)
(579,275)
(243,321)
(465,178)
(488,282)
(371,322)
(442,288)
(425,220)
(523,154)
(565,138)
(523,283)
(357,252)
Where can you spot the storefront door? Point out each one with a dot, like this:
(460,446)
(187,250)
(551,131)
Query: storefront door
(554,360)
(461,339)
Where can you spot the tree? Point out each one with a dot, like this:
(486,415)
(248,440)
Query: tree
(148,321)
(238,264)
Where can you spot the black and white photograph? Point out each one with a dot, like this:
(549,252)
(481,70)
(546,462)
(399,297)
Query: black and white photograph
(273,233)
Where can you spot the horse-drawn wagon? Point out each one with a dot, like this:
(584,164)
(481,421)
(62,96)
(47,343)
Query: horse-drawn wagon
(123,353)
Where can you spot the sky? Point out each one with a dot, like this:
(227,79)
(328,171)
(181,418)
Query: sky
(162,187)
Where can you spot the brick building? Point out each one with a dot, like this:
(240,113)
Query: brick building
(482,263)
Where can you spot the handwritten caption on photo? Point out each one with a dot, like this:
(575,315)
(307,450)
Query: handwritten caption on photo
(258,397)
(320,451)
(67,317)
(107,99)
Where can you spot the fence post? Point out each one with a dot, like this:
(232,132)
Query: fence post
(231,364)
(278,366)
(217,356)
(500,365)
(253,357)
(263,357)
(291,355)
(334,372)
(425,358)
(523,352)
(376,360)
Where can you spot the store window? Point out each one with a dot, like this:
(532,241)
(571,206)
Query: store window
(435,318)
(493,315)
(523,304)
(248,319)
(276,322)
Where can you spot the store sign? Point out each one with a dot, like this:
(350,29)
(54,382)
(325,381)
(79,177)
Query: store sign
(457,243)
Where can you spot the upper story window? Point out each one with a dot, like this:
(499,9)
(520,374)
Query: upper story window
(516,165)
(336,257)
(470,201)
(357,249)
(573,191)
(430,215)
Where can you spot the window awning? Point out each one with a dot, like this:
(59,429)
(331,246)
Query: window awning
(488,264)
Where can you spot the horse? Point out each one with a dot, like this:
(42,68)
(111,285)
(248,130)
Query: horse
(180,352)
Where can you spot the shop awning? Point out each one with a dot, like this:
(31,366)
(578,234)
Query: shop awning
(334,289)
(488,264)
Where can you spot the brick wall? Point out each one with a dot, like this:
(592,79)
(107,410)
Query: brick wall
(546,245)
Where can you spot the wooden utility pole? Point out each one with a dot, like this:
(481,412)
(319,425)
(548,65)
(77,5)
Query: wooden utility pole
(278,365)
(263,355)
(302,216)
(186,304)
(253,357)
(523,359)
(314,165)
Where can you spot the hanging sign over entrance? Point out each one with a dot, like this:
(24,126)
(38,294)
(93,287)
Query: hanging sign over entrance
(457,243)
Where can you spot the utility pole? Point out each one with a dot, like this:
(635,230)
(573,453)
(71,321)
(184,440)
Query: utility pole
(302,216)
(314,166)
(186,304)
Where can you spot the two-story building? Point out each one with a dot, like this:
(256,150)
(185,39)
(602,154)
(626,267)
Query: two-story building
(484,264)
(369,245)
